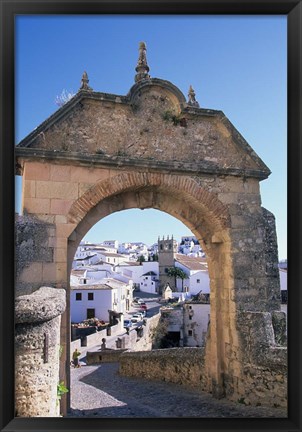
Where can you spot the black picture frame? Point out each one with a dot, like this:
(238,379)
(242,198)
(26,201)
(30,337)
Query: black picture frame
(10,8)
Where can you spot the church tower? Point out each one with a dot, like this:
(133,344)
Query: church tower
(167,249)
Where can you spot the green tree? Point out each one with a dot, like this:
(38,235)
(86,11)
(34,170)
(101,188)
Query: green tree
(141,259)
(177,273)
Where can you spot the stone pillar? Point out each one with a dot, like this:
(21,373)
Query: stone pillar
(35,252)
(37,352)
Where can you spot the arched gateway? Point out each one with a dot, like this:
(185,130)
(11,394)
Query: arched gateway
(102,153)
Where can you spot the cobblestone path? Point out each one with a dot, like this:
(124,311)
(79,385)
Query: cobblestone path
(99,391)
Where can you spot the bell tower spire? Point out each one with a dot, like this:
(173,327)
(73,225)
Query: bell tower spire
(142,67)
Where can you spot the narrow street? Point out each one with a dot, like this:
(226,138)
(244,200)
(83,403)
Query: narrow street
(99,391)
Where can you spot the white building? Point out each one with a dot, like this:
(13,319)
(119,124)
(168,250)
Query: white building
(133,250)
(95,301)
(111,258)
(89,275)
(195,320)
(153,250)
(187,323)
(189,245)
(149,282)
(78,277)
(135,271)
(89,259)
(111,244)
(124,248)
(91,302)
(198,276)
(84,250)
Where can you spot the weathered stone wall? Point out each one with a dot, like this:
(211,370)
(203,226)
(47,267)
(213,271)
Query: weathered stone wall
(136,340)
(177,365)
(255,259)
(105,153)
(224,213)
(34,254)
(257,378)
(260,376)
(144,343)
(94,339)
(104,356)
(152,123)
(37,351)
(258,385)
(271,258)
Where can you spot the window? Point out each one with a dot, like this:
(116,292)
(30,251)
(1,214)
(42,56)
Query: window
(190,317)
(84,281)
(197,280)
(78,296)
(190,332)
(90,296)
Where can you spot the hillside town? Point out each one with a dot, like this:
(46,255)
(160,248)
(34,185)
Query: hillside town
(110,281)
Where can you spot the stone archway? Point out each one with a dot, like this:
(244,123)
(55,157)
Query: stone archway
(184,199)
(102,153)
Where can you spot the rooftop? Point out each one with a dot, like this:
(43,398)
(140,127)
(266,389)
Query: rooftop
(192,263)
(150,273)
(106,284)
(112,254)
(129,263)
(85,258)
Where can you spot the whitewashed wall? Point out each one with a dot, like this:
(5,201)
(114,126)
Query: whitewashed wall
(103,301)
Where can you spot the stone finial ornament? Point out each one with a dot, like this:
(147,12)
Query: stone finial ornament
(142,67)
(84,82)
(192,101)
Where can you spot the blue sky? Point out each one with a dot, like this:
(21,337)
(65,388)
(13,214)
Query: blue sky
(235,64)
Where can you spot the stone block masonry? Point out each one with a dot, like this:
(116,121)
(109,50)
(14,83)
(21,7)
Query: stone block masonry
(100,154)
(37,352)
(35,241)
(104,356)
(176,365)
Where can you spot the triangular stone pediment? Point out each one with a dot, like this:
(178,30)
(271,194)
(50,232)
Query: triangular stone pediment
(152,123)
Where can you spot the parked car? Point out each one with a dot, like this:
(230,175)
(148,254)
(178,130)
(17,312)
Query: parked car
(127,323)
(136,301)
(136,318)
(143,306)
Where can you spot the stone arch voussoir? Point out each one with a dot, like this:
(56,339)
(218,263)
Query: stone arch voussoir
(176,185)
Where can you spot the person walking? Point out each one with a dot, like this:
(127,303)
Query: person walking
(75,358)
